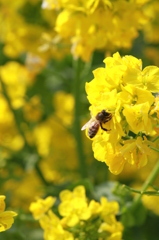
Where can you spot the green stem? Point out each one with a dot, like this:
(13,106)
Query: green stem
(155,139)
(18,125)
(147,183)
(152,193)
(39,173)
(153,148)
(77,124)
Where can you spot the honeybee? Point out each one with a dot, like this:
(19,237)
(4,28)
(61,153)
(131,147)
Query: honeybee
(95,122)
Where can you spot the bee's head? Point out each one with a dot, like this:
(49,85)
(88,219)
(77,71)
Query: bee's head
(103,115)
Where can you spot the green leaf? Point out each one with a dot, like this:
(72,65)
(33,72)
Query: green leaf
(133,216)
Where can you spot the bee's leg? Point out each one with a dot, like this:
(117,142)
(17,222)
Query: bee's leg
(103,127)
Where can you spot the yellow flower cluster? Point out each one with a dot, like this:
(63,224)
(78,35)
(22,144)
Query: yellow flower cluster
(19,112)
(126,92)
(97,24)
(151,29)
(6,217)
(40,207)
(14,79)
(85,26)
(20,33)
(80,219)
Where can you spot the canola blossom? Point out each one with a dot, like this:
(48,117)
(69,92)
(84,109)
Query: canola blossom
(41,206)
(80,218)
(6,217)
(33,39)
(87,25)
(129,93)
(151,30)
(48,50)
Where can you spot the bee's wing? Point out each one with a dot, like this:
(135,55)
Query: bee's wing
(88,124)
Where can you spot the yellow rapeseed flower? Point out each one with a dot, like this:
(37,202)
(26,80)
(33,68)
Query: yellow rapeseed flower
(80,217)
(20,36)
(33,109)
(65,109)
(40,207)
(16,78)
(110,224)
(88,24)
(83,6)
(74,206)
(53,228)
(6,217)
(127,92)
(151,29)
(10,138)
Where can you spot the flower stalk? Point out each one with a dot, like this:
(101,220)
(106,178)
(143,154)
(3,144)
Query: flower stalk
(18,125)
(77,124)
(147,183)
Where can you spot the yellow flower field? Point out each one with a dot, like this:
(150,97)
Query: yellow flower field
(79,119)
